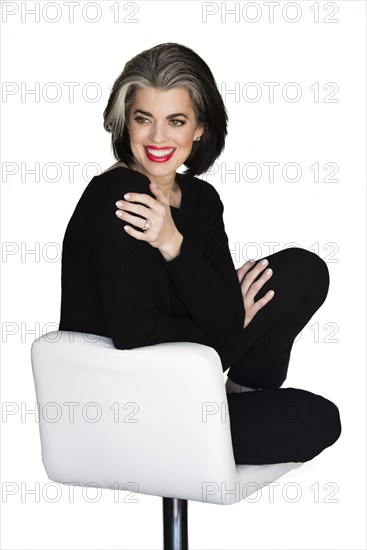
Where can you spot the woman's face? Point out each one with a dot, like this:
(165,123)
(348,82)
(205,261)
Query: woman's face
(162,128)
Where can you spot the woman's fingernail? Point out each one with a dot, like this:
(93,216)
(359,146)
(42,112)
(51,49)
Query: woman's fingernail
(264,262)
(252,261)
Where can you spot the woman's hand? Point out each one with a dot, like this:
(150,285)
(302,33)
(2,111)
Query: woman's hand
(246,275)
(163,233)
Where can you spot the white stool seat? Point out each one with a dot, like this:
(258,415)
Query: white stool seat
(151,420)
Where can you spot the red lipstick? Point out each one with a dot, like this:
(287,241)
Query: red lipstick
(161,158)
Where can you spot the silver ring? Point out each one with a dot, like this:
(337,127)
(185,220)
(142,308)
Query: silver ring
(147,225)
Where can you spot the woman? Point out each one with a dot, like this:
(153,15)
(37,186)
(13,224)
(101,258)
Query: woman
(146,259)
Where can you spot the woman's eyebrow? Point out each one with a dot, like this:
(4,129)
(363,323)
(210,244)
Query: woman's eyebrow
(150,114)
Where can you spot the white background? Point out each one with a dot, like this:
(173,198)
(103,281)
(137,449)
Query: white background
(323,51)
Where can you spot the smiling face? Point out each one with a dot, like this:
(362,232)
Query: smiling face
(162,128)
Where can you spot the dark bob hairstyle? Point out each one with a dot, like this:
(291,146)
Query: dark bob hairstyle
(166,66)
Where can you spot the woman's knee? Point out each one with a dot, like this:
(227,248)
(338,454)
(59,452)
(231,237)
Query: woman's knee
(328,421)
(321,421)
(311,268)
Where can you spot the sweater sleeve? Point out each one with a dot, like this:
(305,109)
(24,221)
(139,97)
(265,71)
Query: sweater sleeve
(207,282)
(133,317)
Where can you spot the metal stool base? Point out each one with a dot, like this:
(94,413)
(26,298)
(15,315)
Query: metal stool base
(175,533)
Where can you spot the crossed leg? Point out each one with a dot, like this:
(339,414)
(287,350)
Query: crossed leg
(279,424)
(260,357)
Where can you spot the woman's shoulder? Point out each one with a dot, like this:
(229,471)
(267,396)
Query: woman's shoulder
(209,194)
(109,181)
(118,164)
(117,180)
(122,173)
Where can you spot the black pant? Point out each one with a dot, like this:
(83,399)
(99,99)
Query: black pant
(280,425)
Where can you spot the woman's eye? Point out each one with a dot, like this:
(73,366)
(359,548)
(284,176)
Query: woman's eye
(138,118)
(181,122)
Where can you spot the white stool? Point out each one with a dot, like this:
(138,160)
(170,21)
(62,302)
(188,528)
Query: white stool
(153,420)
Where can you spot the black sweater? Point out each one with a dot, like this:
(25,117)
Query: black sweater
(115,285)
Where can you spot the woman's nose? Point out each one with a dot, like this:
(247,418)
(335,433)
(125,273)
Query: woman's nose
(158,133)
